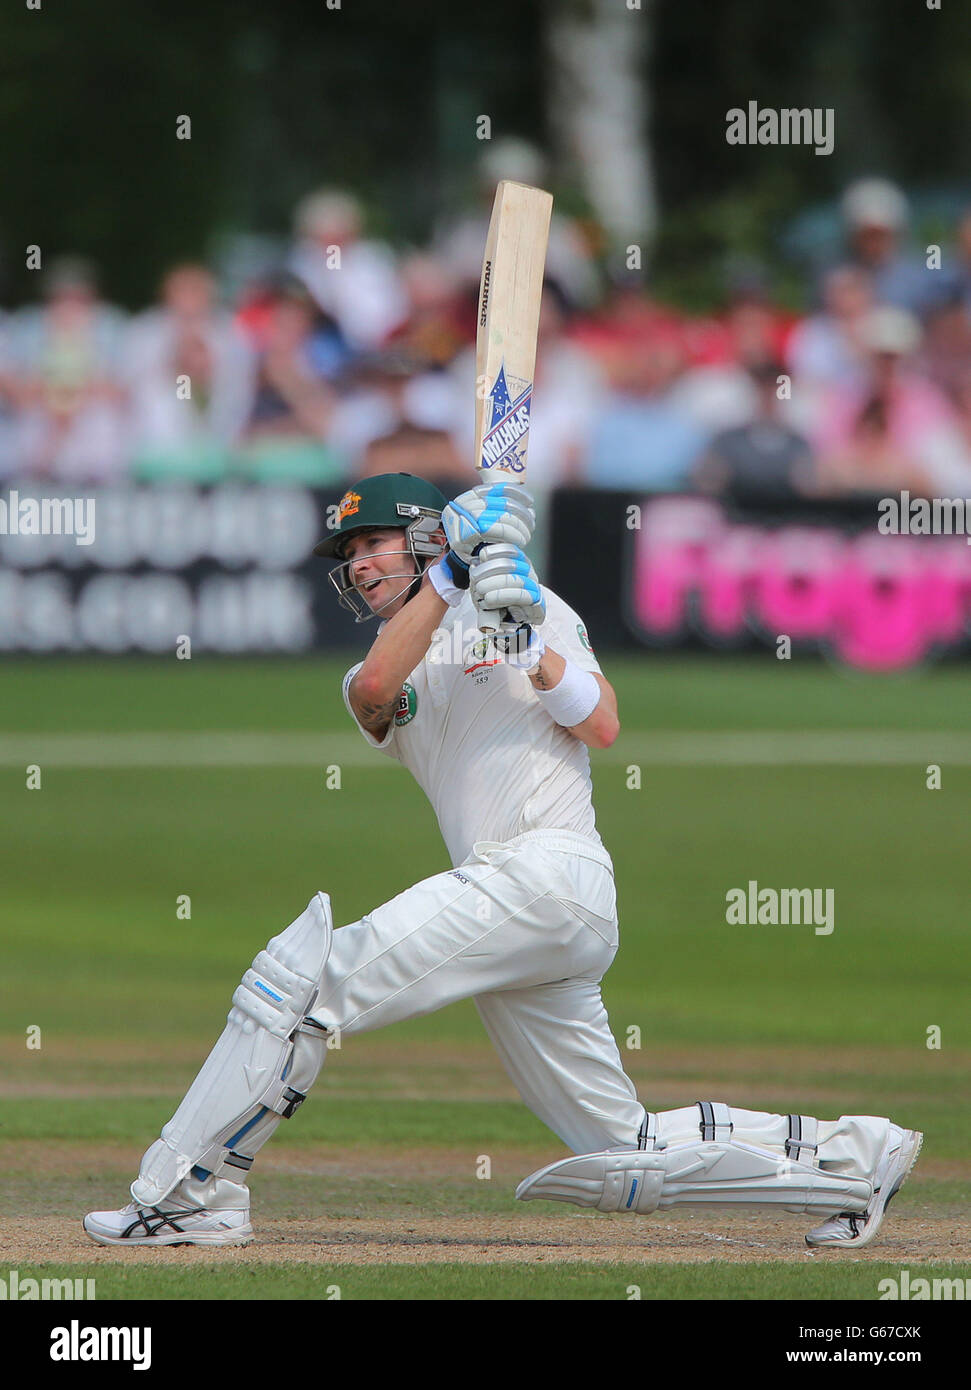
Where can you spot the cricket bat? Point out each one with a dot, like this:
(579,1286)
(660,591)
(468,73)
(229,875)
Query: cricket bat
(510,292)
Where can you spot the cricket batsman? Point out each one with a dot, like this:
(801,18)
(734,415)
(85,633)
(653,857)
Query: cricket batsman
(495,730)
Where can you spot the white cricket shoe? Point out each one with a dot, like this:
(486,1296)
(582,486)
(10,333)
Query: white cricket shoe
(851,1229)
(169,1224)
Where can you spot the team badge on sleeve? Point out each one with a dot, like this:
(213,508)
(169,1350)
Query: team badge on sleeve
(407,705)
(582,634)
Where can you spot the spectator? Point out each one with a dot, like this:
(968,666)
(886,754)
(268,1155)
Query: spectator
(629,322)
(187,335)
(895,430)
(716,397)
(459,240)
(8,398)
(750,329)
(353,281)
(875,214)
(386,391)
(717,391)
(291,397)
(945,357)
(642,438)
(439,322)
(328,351)
(962,404)
(764,460)
(428,453)
(959,281)
(569,391)
(825,349)
(66,382)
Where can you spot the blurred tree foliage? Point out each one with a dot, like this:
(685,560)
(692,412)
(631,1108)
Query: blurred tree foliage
(897,74)
(376,95)
(382,96)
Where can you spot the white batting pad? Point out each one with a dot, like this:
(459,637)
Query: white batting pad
(258,1071)
(718,1173)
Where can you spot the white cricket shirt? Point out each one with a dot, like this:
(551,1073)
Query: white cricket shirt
(472,732)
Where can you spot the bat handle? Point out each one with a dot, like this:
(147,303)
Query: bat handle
(506,622)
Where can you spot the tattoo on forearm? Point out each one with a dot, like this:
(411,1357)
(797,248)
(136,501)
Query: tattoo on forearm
(540,679)
(376,716)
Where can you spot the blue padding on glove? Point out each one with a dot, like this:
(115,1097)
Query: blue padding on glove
(458,570)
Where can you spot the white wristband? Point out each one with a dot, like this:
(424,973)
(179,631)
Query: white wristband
(444,585)
(574,697)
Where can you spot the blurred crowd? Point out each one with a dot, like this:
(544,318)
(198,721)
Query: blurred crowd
(351,358)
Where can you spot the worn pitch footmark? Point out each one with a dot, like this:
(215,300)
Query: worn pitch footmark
(494,1241)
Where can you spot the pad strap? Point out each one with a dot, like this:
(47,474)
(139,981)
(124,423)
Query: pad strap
(803,1139)
(715,1122)
(647,1135)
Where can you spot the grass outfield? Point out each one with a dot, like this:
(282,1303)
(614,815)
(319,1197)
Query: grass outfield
(519,1282)
(791,775)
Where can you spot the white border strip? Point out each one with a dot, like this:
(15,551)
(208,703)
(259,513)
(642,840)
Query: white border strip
(755,748)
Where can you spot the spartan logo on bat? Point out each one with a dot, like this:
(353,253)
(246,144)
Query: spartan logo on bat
(484,307)
(507,437)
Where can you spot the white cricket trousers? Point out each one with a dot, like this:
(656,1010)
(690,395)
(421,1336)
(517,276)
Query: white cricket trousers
(528,929)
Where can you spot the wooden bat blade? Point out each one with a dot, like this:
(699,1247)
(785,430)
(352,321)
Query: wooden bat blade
(510,293)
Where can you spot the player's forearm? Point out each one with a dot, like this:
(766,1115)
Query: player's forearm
(400,646)
(546,675)
(602,725)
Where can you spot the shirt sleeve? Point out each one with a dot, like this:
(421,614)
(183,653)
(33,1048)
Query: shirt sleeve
(387,744)
(566,633)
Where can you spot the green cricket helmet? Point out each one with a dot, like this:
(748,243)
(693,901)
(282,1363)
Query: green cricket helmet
(390,501)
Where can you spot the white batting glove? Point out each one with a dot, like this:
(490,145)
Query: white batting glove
(502,580)
(524,648)
(487,515)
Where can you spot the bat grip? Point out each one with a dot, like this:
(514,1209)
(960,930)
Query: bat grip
(506,622)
